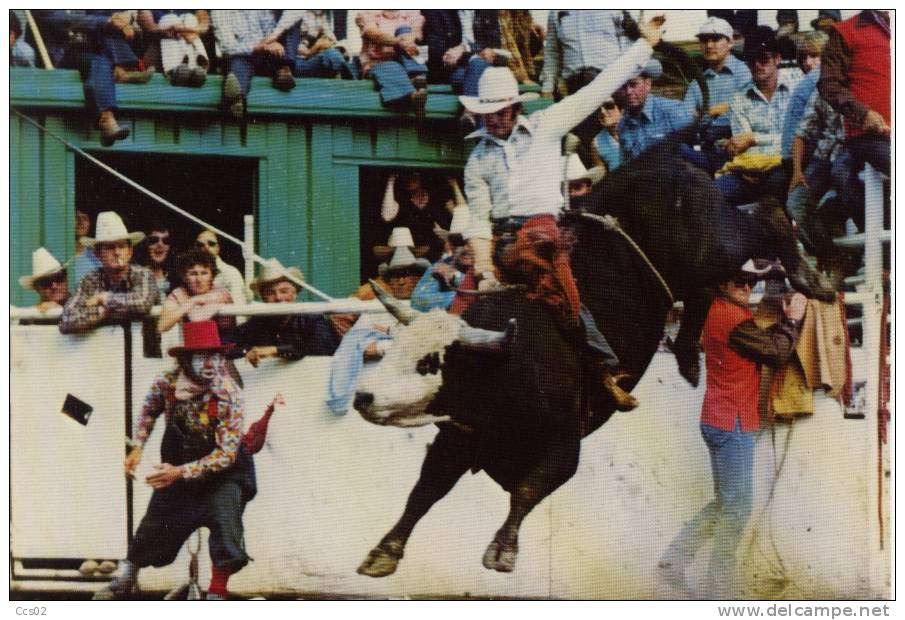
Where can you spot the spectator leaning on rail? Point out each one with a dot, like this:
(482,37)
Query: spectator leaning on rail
(388,54)
(204,478)
(436,288)
(290,336)
(757,115)
(647,119)
(117,290)
(198,298)
(726,75)
(177,47)
(734,346)
(250,39)
(227,276)
(48,280)
(856,79)
(809,51)
(96,42)
(156,253)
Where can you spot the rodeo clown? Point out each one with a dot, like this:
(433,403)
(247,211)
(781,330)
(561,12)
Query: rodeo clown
(205,477)
(514,187)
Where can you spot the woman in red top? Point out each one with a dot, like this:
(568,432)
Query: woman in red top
(734,346)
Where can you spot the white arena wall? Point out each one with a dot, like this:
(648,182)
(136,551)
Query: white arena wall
(330,486)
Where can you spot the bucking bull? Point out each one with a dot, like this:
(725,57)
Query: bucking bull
(513,402)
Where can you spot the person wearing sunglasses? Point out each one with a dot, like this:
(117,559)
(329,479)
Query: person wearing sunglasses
(227,276)
(48,280)
(156,253)
(734,347)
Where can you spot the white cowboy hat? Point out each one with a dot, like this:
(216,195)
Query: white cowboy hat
(461,222)
(110,228)
(401,237)
(403,260)
(575,171)
(497,89)
(715,26)
(274,270)
(43,265)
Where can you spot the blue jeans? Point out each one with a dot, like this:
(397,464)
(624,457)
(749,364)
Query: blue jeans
(801,201)
(871,149)
(724,518)
(464,78)
(393,78)
(738,191)
(97,71)
(326,64)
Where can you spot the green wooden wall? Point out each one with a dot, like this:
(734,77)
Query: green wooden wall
(309,145)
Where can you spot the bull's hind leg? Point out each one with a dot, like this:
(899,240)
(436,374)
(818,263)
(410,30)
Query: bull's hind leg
(686,348)
(555,468)
(448,457)
(776,235)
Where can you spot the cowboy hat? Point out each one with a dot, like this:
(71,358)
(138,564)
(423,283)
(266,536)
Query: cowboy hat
(200,336)
(401,237)
(110,228)
(497,89)
(403,260)
(575,171)
(762,269)
(272,271)
(461,221)
(715,26)
(43,265)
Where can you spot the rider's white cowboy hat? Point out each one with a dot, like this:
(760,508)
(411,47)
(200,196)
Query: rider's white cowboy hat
(273,270)
(43,265)
(575,171)
(110,228)
(497,89)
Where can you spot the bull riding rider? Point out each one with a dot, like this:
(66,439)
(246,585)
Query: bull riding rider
(205,477)
(514,177)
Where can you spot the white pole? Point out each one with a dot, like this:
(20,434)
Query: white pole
(873,307)
(248,248)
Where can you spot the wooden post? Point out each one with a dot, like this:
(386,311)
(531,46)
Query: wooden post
(39,40)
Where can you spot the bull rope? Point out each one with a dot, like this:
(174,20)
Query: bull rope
(611,223)
(166,203)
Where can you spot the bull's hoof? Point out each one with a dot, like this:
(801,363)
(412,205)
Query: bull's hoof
(382,560)
(500,556)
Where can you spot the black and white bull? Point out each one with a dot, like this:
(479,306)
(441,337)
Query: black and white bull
(518,415)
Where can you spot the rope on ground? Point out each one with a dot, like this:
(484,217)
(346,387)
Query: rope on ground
(162,200)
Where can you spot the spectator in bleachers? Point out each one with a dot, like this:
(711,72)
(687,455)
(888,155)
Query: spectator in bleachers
(726,75)
(523,39)
(580,44)
(756,116)
(436,288)
(20,53)
(388,55)
(84,260)
(48,280)
(580,179)
(606,143)
(96,42)
(418,204)
(156,253)
(289,337)
(647,119)
(198,298)
(316,51)
(461,44)
(227,276)
(116,291)
(253,43)
(177,49)
(855,79)
(825,19)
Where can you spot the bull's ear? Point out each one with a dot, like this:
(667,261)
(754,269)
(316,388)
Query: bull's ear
(477,339)
(403,313)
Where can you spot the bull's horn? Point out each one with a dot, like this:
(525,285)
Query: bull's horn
(403,313)
(478,339)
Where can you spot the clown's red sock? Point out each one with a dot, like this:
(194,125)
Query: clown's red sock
(219,579)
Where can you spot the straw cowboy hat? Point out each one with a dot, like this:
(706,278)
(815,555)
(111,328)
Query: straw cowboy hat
(497,89)
(201,336)
(43,265)
(110,228)
(273,271)
(575,171)
(403,260)
(401,237)
(461,222)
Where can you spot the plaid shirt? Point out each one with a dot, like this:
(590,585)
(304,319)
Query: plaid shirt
(131,298)
(239,31)
(751,112)
(195,417)
(821,127)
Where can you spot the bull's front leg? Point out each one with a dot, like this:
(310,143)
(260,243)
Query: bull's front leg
(553,470)
(686,348)
(448,457)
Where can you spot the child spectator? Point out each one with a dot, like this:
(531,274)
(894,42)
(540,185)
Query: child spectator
(180,53)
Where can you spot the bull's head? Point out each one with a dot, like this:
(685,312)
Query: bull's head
(407,379)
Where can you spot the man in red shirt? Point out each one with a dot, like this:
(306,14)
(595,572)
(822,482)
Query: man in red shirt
(734,346)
